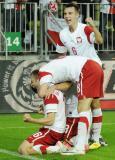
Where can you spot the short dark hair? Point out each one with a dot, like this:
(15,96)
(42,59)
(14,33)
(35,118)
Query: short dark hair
(35,73)
(76,6)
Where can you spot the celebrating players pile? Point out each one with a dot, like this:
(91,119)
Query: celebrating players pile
(70,87)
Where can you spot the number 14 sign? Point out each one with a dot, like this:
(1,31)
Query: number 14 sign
(13,41)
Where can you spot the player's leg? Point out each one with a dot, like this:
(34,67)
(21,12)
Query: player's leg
(71,137)
(84,122)
(71,131)
(47,141)
(90,85)
(26,148)
(96,119)
(83,126)
(96,140)
(33,144)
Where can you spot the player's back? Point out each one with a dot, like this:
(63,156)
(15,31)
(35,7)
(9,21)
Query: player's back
(65,69)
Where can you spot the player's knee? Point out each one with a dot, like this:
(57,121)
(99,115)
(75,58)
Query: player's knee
(95,104)
(23,149)
(19,150)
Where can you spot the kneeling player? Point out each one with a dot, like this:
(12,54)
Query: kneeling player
(54,124)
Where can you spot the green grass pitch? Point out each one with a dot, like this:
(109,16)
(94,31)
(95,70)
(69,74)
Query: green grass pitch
(13,131)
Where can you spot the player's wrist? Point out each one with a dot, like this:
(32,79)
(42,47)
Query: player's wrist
(94,26)
(55,87)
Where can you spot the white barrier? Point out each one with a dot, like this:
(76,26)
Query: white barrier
(18,23)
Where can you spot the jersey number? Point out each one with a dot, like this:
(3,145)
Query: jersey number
(74,51)
(37,134)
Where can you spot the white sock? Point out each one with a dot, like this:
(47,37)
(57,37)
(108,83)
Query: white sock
(83,126)
(96,124)
(89,129)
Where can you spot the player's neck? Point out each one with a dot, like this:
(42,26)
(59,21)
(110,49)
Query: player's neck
(73,27)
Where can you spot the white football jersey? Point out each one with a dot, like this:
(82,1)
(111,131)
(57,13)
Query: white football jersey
(56,104)
(71,103)
(80,42)
(61,70)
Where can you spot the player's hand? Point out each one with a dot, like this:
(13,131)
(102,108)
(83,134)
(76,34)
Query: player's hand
(50,91)
(40,109)
(90,21)
(27,117)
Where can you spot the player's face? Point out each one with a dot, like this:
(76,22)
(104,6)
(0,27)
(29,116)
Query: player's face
(70,16)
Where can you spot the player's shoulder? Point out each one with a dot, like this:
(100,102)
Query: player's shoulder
(85,29)
(54,98)
(64,31)
(81,25)
(81,28)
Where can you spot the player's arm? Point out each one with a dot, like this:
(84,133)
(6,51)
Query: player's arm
(45,80)
(59,86)
(98,36)
(63,86)
(40,109)
(60,47)
(49,120)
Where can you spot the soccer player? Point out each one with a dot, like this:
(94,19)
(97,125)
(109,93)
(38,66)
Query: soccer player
(54,123)
(88,75)
(72,119)
(79,39)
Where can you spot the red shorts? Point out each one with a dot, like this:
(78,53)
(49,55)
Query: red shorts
(90,84)
(71,128)
(45,137)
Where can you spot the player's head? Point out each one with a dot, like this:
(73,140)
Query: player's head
(71,13)
(34,80)
(72,5)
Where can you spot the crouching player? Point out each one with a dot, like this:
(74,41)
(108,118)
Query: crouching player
(54,123)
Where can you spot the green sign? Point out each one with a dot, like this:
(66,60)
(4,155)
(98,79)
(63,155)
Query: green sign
(13,41)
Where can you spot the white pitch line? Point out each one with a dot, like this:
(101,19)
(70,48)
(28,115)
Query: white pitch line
(108,124)
(18,155)
(21,127)
(17,127)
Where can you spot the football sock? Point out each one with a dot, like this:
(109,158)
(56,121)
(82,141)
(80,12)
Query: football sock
(96,124)
(83,126)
